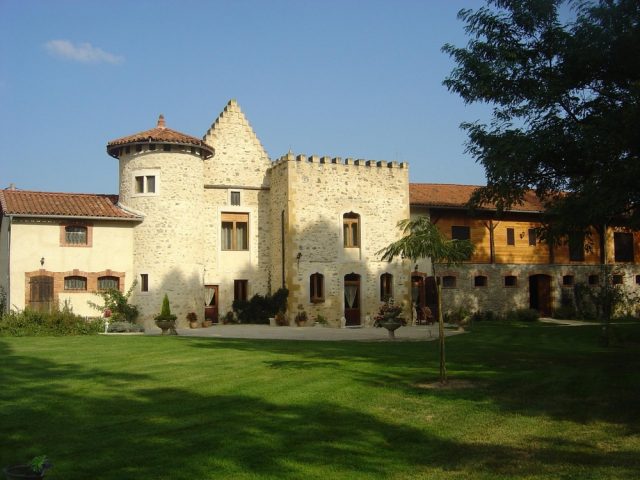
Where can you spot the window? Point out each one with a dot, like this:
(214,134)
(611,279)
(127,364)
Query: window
(75,235)
(449,281)
(235,231)
(460,233)
(511,238)
(617,279)
(316,288)
(105,283)
(166,147)
(510,281)
(75,283)
(145,184)
(235,198)
(386,287)
(576,247)
(532,237)
(240,288)
(567,280)
(480,281)
(637,279)
(623,246)
(351,229)
(138,148)
(144,282)
(593,279)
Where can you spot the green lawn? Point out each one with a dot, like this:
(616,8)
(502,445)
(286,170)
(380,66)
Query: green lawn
(533,401)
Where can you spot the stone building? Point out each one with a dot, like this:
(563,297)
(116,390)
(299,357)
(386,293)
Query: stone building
(211,220)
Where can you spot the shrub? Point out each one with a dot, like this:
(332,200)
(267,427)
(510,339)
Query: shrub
(565,312)
(3,301)
(484,316)
(58,323)
(124,327)
(117,304)
(522,315)
(260,308)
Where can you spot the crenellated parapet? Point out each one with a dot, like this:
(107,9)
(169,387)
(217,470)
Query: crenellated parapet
(290,157)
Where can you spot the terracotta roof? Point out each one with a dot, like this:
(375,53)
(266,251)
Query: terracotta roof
(27,203)
(160,134)
(456,196)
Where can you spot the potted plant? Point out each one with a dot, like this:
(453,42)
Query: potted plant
(389,317)
(301,317)
(192,318)
(34,470)
(166,321)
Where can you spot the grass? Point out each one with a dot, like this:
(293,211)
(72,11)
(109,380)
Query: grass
(530,402)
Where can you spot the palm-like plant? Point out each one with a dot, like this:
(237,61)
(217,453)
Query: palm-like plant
(422,239)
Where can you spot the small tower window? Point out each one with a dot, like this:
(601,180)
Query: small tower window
(145,184)
(351,229)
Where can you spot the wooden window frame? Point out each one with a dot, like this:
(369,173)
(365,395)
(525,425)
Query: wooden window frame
(241,290)
(623,255)
(109,277)
(460,232)
(480,283)
(75,278)
(316,288)
(576,247)
(533,237)
(349,221)
(64,239)
(386,286)
(511,236)
(234,219)
(144,282)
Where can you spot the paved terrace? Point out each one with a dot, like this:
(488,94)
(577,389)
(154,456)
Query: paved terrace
(411,333)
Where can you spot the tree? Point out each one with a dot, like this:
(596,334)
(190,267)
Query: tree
(564,80)
(422,239)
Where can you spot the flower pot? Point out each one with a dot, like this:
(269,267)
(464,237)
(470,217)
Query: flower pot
(391,326)
(194,324)
(168,327)
(21,472)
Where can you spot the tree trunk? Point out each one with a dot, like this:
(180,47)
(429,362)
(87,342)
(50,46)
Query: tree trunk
(443,366)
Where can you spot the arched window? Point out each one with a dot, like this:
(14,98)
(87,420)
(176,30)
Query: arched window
(105,283)
(386,287)
(351,229)
(75,283)
(316,288)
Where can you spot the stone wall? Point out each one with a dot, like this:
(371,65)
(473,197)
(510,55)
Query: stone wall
(319,191)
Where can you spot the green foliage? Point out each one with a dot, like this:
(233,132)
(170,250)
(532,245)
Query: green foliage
(522,315)
(320,320)
(229,318)
(260,308)
(458,316)
(124,327)
(165,311)
(3,301)
(29,323)
(484,316)
(40,464)
(423,239)
(116,305)
(565,91)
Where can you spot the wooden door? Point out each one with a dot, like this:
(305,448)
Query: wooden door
(431,296)
(41,293)
(540,294)
(352,299)
(211,303)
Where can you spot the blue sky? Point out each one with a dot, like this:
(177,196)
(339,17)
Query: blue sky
(348,78)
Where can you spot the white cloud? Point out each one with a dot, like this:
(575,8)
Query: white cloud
(81,52)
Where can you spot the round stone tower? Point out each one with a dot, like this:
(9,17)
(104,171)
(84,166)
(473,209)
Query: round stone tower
(161,178)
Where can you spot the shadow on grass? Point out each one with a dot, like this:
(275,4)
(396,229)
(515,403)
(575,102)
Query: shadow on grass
(110,425)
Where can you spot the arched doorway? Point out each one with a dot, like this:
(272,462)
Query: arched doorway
(540,294)
(352,299)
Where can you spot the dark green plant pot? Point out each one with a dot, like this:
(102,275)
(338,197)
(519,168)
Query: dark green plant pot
(21,472)
(391,326)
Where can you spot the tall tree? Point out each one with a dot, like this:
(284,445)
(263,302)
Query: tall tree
(422,239)
(563,78)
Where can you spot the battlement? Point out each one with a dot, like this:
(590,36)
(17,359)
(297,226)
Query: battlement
(290,157)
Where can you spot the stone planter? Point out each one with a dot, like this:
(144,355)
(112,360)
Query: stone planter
(168,327)
(21,472)
(391,326)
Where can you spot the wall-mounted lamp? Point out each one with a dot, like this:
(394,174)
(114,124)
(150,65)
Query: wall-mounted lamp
(42,262)
(522,235)
(298,256)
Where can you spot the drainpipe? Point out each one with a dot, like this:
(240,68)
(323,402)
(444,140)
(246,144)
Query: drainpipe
(8,292)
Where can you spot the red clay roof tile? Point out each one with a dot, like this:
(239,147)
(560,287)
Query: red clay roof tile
(457,196)
(27,203)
